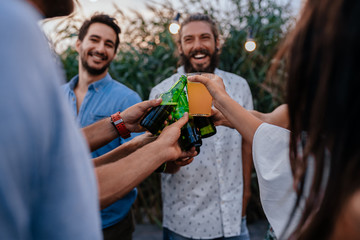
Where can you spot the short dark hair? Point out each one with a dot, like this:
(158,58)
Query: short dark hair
(199,17)
(100,18)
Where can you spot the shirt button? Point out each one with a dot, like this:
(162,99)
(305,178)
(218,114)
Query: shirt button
(73,99)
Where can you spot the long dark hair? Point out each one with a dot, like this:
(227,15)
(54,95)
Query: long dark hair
(324,102)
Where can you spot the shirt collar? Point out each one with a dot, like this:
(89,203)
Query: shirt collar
(98,85)
(73,82)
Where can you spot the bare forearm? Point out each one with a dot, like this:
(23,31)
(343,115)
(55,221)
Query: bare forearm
(243,121)
(100,133)
(278,117)
(125,149)
(118,178)
(120,152)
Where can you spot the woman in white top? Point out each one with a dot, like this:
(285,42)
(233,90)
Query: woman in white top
(321,156)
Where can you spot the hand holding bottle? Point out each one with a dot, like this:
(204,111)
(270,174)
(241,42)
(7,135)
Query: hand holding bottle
(154,120)
(219,119)
(169,139)
(215,86)
(133,115)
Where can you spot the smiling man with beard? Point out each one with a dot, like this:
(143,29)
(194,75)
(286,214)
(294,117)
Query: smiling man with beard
(204,200)
(94,95)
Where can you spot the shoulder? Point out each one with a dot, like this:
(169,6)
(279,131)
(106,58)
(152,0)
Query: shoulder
(118,89)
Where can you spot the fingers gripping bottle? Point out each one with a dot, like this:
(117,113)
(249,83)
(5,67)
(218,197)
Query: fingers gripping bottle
(155,118)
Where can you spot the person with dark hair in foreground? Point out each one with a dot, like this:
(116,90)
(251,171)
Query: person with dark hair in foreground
(319,157)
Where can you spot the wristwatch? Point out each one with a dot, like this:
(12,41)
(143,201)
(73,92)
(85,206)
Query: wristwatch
(118,123)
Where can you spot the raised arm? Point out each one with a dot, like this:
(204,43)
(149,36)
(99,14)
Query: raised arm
(238,117)
(124,149)
(278,117)
(103,132)
(119,177)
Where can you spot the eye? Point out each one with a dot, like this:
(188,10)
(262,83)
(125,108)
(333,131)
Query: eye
(93,39)
(206,37)
(188,39)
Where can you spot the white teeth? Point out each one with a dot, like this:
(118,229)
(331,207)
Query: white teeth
(97,57)
(199,56)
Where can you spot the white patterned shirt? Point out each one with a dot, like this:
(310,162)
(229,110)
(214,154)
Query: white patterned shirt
(204,199)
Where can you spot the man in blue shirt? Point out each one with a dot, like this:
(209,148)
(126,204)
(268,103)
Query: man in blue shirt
(47,183)
(94,95)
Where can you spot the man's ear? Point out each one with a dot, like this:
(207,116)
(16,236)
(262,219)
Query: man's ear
(217,45)
(77,45)
(180,50)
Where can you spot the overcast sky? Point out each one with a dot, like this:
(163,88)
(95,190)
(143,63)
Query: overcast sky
(91,6)
(106,6)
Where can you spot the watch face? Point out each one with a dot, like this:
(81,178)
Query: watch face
(119,121)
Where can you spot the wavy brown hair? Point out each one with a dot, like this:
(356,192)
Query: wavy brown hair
(323,84)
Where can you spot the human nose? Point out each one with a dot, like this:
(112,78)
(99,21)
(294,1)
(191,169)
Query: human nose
(197,44)
(100,47)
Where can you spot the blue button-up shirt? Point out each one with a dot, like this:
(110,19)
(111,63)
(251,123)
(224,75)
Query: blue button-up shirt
(103,98)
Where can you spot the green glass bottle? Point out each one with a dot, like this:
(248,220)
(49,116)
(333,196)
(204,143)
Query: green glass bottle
(190,134)
(206,126)
(155,118)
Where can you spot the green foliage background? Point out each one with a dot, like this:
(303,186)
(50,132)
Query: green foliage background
(148,55)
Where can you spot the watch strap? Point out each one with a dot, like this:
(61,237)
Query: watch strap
(119,124)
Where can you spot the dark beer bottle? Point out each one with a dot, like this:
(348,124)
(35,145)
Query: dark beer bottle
(205,125)
(190,134)
(155,118)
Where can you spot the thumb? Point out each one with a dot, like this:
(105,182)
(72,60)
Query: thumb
(182,121)
(198,78)
(151,103)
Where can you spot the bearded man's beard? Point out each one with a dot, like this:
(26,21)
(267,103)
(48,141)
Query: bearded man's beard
(189,68)
(94,71)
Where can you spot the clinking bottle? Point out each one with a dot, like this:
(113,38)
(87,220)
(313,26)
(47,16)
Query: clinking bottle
(205,125)
(155,118)
(190,134)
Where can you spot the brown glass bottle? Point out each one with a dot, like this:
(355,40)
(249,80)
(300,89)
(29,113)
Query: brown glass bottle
(205,125)
(190,136)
